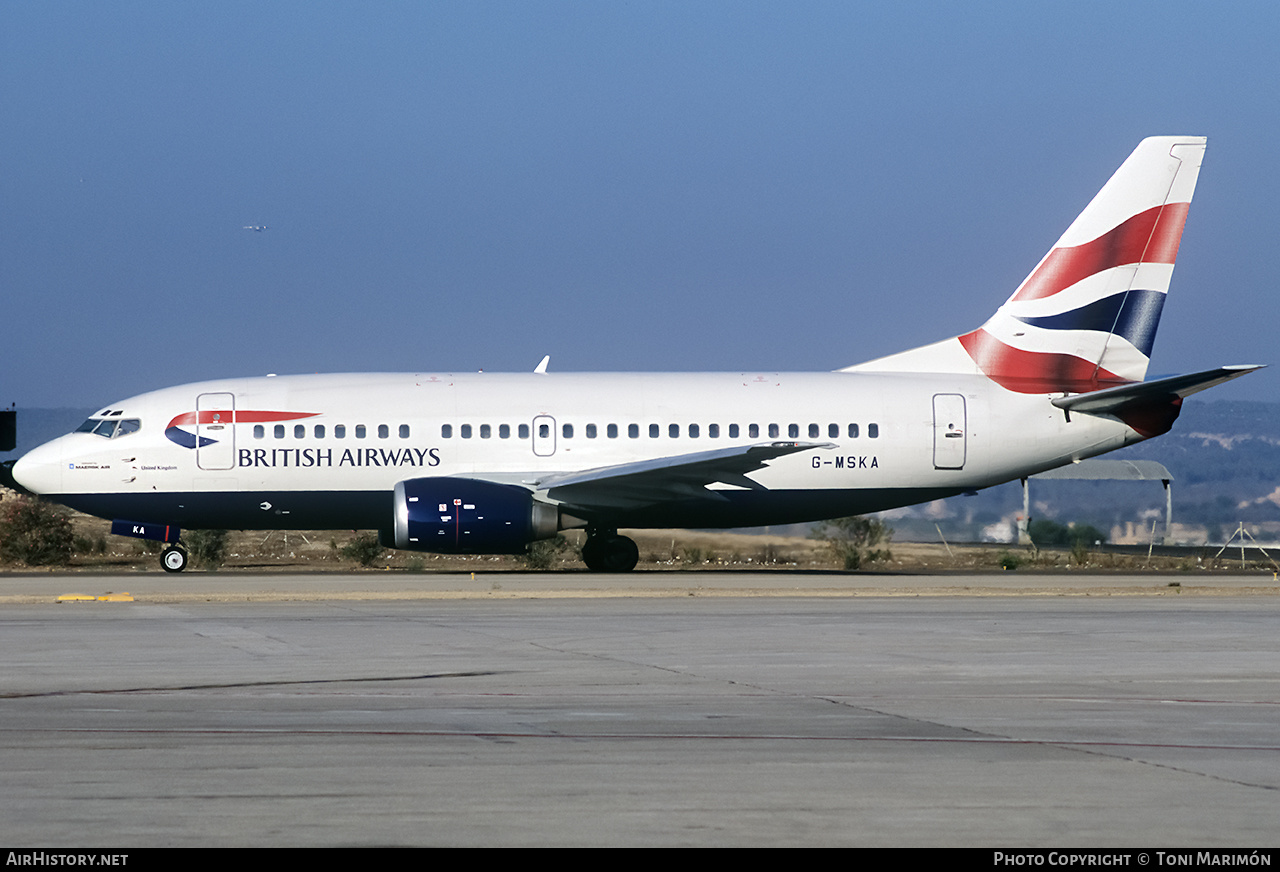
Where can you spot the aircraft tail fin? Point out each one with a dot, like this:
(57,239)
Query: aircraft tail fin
(1086,316)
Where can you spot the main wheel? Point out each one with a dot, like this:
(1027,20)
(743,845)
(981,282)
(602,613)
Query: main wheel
(610,554)
(174,559)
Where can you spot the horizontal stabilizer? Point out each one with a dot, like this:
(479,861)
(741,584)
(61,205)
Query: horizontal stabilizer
(1175,387)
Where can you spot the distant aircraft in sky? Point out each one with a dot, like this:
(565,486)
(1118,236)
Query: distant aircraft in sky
(257,228)
(481,463)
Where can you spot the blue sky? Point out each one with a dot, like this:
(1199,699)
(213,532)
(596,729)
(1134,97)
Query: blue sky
(623,186)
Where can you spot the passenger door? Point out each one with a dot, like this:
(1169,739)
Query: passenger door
(215,431)
(949,425)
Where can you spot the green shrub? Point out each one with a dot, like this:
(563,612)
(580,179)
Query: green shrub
(363,548)
(853,540)
(1050,534)
(89,544)
(34,532)
(208,548)
(545,553)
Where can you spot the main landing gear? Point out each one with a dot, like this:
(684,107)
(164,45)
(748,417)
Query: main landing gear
(606,551)
(174,558)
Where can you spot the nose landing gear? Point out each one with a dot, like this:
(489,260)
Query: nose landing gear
(174,559)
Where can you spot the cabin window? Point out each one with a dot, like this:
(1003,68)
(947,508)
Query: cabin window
(591,431)
(544,431)
(299,431)
(713,431)
(404,431)
(319,431)
(259,431)
(833,431)
(774,431)
(673,430)
(360,431)
(612,431)
(524,431)
(465,431)
(733,431)
(446,431)
(383,431)
(853,431)
(279,431)
(567,430)
(653,431)
(633,431)
(504,431)
(793,431)
(693,431)
(814,431)
(873,431)
(339,431)
(753,431)
(485,431)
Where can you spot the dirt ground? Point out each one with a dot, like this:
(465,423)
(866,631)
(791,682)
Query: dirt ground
(97,551)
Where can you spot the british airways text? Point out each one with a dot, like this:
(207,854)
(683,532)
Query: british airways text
(328,457)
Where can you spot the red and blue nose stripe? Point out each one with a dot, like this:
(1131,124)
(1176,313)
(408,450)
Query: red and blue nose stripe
(240,416)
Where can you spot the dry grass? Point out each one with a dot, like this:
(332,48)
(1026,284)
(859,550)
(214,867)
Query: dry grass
(681,550)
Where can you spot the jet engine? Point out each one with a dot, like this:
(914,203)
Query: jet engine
(469,516)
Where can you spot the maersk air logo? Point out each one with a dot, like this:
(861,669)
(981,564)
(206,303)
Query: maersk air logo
(187,439)
(1086,318)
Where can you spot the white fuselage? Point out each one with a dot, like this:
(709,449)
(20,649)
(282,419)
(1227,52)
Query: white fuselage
(327,450)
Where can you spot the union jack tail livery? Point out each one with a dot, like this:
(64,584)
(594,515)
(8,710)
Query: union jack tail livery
(1085,318)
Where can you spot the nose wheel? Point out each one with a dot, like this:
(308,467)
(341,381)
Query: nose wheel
(174,559)
(609,552)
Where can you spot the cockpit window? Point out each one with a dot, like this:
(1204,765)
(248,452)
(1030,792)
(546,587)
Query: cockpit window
(110,428)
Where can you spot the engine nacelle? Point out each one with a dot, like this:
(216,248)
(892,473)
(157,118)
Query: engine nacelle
(469,516)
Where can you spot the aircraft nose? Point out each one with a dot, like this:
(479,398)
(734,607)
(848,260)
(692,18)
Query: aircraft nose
(40,470)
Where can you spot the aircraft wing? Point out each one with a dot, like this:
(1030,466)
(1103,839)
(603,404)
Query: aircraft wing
(1118,398)
(683,476)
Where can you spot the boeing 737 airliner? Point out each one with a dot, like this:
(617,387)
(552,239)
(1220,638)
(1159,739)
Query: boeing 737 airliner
(482,463)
